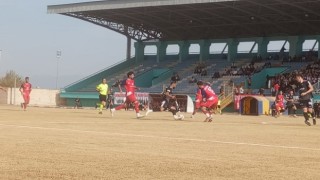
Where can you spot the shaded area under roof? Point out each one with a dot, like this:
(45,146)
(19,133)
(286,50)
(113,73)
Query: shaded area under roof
(144,20)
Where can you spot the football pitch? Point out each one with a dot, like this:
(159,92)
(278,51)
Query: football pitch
(56,143)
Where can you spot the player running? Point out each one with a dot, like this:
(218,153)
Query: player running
(279,104)
(290,104)
(209,100)
(25,90)
(169,101)
(102,88)
(130,96)
(305,99)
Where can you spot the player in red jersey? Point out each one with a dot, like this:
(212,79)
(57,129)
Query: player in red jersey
(25,90)
(209,100)
(130,96)
(279,104)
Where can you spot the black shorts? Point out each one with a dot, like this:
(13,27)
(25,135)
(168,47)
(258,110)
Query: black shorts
(103,97)
(167,104)
(290,105)
(305,103)
(110,97)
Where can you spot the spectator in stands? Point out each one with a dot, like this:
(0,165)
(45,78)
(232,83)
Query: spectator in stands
(204,72)
(193,80)
(241,90)
(276,87)
(216,75)
(236,90)
(221,91)
(249,81)
(175,77)
(261,91)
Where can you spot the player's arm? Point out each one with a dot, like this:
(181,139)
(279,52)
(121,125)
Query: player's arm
(170,96)
(21,89)
(287,99)
(310,89)
(98,88)
(119,87)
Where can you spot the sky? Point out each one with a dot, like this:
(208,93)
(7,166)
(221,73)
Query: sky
(30,39)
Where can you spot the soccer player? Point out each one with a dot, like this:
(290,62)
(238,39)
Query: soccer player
(305,99)
(77,103)
(130,96)
(25,90)
(290,104)
(279,103)
(169,101)
(209,99)
(110,99)
(102,88)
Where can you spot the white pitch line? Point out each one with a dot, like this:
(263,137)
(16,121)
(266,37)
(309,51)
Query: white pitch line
(164,137)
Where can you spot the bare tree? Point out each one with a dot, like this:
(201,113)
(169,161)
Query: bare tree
(9,79)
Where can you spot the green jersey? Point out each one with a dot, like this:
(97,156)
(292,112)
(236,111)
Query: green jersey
(102,89)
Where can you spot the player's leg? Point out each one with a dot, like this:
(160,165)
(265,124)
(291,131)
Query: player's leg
(196,108)
(174,110)
(304,106)
(163,105)
(103,99)
(212,106)
(132,99)
(204,106)
(294,108)
(311,112)
(119,107)
(206,112)
(25,100)
(277,111)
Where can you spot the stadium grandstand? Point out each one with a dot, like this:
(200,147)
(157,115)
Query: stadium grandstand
(207,24)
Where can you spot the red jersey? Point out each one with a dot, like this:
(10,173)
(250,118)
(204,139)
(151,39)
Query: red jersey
(207,93)
(280,98)
(26,88)
(198,96)
(130,87)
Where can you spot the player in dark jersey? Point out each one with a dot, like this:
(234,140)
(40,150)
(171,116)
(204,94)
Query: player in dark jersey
(292,108)
(305,99)
(110,99)
(169,101)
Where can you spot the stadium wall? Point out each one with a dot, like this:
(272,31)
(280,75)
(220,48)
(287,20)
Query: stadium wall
(38,97)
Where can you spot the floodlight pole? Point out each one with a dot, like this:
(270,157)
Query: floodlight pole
(58,58)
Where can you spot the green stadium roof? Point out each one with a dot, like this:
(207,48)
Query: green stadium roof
(145,20)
